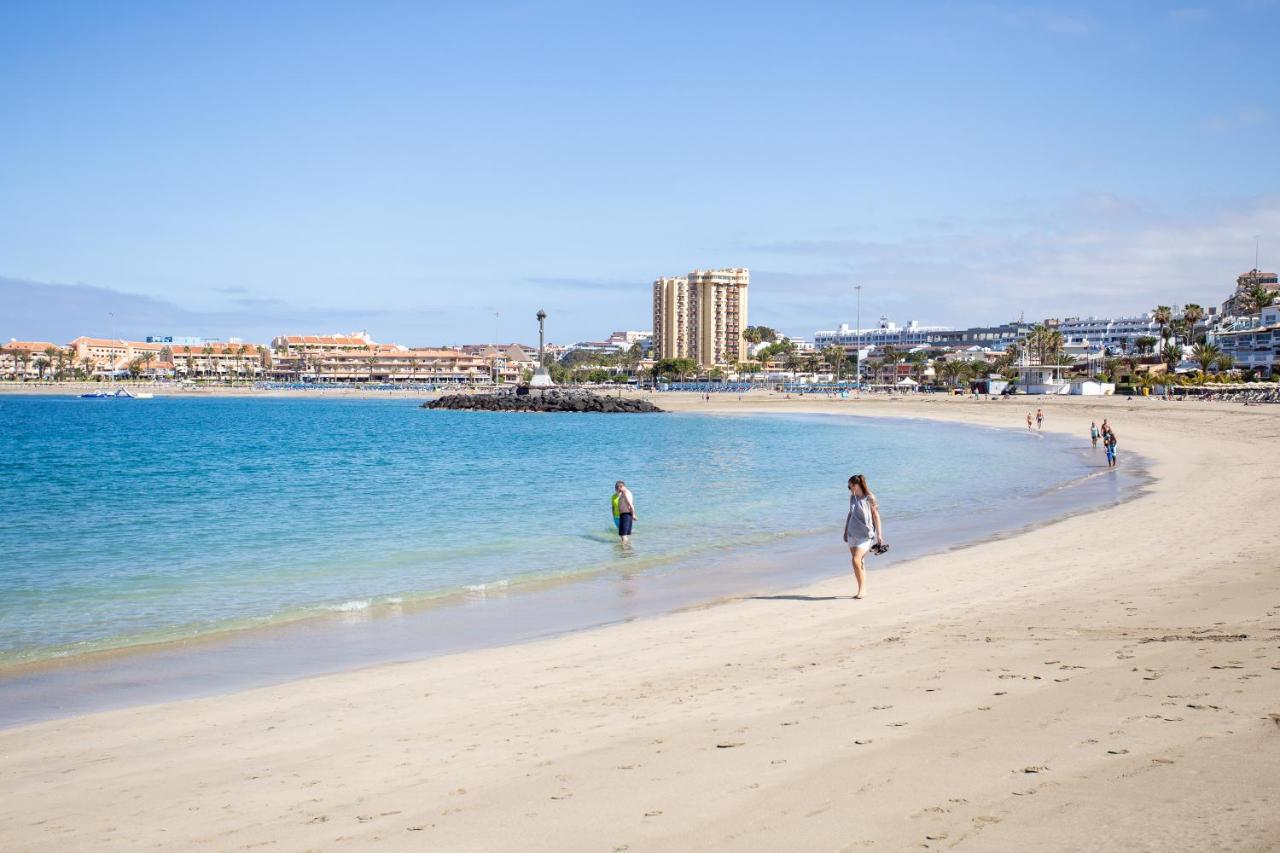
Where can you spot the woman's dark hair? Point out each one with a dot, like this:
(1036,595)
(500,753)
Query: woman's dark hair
(860,480)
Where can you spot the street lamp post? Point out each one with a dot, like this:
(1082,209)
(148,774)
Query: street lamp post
(858,338)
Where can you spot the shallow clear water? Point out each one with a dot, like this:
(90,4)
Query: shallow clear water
(123,521)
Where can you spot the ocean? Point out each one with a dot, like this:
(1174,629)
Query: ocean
(130,522)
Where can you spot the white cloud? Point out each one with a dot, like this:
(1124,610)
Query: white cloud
(1101,255)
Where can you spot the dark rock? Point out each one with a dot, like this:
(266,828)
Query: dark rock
(525,399)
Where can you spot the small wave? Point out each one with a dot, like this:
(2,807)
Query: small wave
(349,606)
(494,584)
(395,599)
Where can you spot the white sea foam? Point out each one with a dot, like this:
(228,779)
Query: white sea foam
(483,587)
(349,606)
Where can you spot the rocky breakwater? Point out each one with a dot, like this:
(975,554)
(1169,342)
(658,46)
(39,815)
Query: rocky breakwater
(526,400)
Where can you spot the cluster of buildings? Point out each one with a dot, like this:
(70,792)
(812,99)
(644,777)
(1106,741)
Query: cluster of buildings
(354,357)
(700,317)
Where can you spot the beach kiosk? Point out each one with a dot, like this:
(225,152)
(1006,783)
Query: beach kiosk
(1043,379)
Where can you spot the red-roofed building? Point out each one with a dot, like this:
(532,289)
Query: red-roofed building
(24,360)
(321,343)
(380,363)
(105,356)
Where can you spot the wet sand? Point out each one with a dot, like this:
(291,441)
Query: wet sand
(1106,682)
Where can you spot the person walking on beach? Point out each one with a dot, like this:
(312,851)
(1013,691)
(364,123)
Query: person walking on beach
(1028,422)
(1039,419)
(862,528)
(624,511)
(1093,433)
(1111,448)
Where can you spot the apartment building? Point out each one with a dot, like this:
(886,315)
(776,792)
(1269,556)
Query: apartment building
(671,333)
(222,360)
(701,316)
(1253,342)
(890,334)
(383,363)
(1240,302)
(321,343)
(886,334)
(26,359)
(1117,334)
(719,315)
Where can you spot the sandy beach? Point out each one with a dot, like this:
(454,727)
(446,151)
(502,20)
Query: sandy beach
(1107,682)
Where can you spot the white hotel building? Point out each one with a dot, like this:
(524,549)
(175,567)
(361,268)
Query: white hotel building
(1117,334)
(887,334)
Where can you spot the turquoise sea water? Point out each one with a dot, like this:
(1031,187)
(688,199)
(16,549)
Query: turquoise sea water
(133,521)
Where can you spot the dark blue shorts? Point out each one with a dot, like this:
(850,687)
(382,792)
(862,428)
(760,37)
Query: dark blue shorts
(624,524)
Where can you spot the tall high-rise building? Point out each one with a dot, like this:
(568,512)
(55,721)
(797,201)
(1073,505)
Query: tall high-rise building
(671,318)
(702,316)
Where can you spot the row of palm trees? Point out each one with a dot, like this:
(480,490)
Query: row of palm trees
(58,364)
(52,363)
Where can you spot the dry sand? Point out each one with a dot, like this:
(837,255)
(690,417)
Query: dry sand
(1109,682)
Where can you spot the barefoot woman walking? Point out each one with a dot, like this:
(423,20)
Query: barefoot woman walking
(861,527)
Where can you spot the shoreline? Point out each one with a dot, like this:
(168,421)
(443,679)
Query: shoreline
(1103,681)
(56,686)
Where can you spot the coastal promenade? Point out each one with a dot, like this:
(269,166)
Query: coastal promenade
(1106,682)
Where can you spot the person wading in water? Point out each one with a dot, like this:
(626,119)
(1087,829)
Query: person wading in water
(624,510)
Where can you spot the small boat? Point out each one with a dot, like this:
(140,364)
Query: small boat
(118,394)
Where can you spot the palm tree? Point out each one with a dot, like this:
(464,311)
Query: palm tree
(144,361)
(207,352)
(1192,314)
(1162,315)
(834,356)
(1224,362)
(86,366)
(25,357)
(1171,355)
(264,359)
(1205,355)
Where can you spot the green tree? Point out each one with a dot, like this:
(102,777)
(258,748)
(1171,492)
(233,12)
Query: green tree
(835,356)
(144,361)
(1171,355)
(1162,315)
(759,335)
(1205,355)
(1192,314)
(1259,297)
(680,368)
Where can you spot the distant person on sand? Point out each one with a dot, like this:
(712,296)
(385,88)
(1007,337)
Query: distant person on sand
(624,510)
(862,527)
(1093,433)
(1028,422)
(1039,419)
(1110,442)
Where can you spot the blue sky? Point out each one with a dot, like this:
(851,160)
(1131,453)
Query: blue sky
(412,168)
